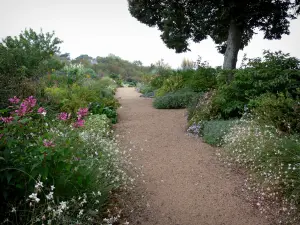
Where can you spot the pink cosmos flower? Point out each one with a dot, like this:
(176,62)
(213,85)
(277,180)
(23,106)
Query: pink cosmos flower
(14,100)
(48,143)
(42,111)
(63,116)
(78,123)
(82,112)
(7,119)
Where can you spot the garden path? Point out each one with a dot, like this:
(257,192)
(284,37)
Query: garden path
(182,182)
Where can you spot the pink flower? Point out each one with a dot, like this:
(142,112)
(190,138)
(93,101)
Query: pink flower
(23,109)
(48,144)
(42,111)
(31,101)
(1,135)
(78,123)
(14,100)
(82,112)
(64,116)
(7,119)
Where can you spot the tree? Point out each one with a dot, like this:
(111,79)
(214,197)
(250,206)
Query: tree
(29,54)
(230,23)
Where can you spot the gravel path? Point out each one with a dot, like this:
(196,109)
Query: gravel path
(183,182)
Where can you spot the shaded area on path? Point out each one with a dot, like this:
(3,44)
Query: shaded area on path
(184,183)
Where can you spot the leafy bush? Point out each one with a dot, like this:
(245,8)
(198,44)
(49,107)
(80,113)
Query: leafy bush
(42,159)
(275,73)
(271,157)
(203,109)
(69,99)
(176,100)
(280,111)
(101,108)
(171,84)
(24,59)
(201,80)
(157,81)
(213,132)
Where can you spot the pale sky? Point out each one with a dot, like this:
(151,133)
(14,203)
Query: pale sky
(101,27)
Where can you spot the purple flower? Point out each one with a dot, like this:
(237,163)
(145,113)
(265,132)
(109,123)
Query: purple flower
(7,119)
(31,101)
(14,100)
(82,112)
(48,144)
(42,111)
(64,116)
(78,123)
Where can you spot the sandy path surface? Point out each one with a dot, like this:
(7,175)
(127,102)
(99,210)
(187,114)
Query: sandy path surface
(183,182)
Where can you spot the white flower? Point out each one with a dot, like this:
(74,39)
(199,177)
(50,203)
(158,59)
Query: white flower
(52,187)
(50,196)
(13,210)
(39,185)
(63,205)
(34,197)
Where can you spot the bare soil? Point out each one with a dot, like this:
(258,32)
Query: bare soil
(181,182)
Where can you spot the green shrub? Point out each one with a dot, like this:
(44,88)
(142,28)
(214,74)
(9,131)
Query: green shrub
(275,73)
(278,110)
(176,100)
(201,80)
(203,109)
(213,132)
(171,84)
(157,81)
(102,108)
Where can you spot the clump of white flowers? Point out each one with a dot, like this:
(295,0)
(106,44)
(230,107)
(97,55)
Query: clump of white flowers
(273,161)
(105,163)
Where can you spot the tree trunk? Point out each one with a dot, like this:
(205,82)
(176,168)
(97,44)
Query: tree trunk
(233,46)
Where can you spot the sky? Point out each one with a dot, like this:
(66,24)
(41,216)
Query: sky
(102,27)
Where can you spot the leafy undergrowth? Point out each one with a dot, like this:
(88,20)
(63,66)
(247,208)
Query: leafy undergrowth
(57,171)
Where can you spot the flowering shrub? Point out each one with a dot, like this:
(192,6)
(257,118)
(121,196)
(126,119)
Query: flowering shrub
(273,160)
(71,151)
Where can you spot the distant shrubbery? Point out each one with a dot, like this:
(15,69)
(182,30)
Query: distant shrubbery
(175,100)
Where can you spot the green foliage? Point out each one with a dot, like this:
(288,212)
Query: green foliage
(170,84)
(71,98)
(213,132)
(278,110)
(200,80)
(28,54)
(175,100)
(103,109)
(275,73)
(24,59)
(203,109)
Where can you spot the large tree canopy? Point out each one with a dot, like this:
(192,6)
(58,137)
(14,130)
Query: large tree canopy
(230,23)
